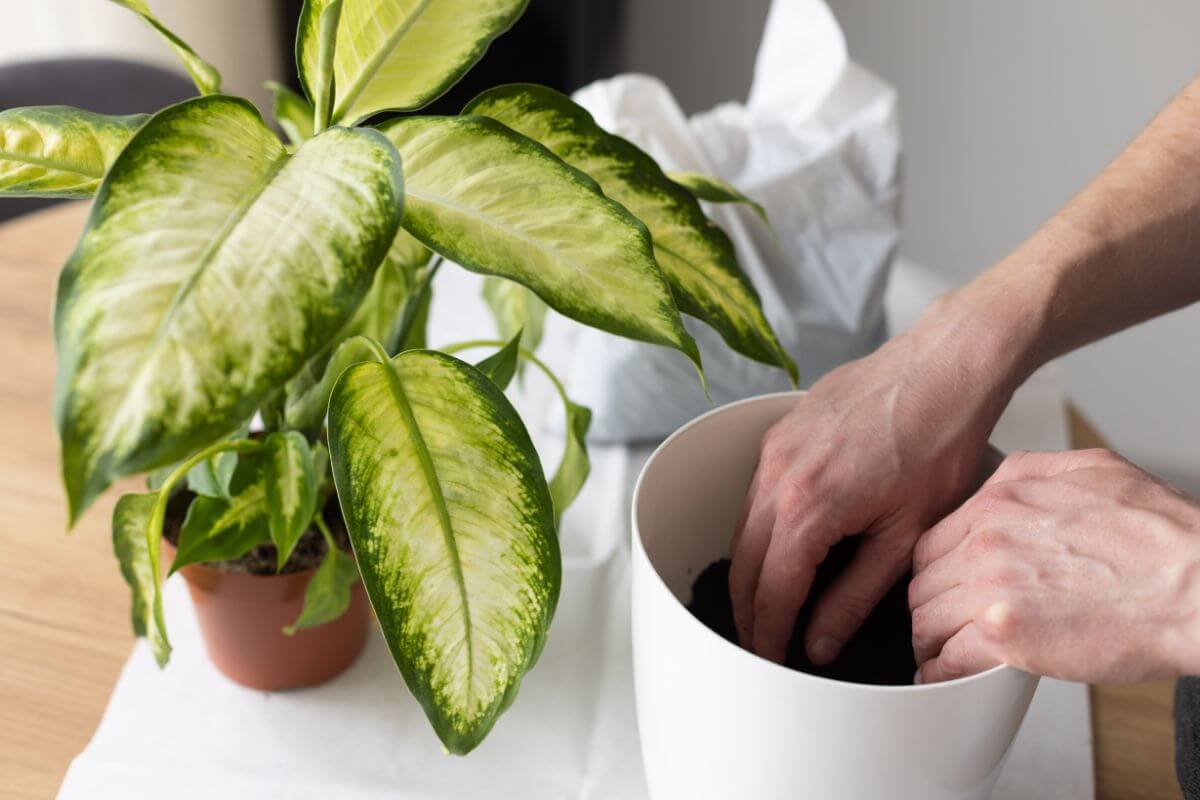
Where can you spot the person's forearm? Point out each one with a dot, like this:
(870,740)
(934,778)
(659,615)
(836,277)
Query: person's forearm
(1126,249)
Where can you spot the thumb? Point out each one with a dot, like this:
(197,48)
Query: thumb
(1021,465)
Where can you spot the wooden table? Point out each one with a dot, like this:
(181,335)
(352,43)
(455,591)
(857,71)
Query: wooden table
(64,610)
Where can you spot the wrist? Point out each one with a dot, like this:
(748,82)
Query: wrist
(1181,645)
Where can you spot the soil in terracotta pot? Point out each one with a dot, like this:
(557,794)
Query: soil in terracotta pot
(309,550)
(880,653)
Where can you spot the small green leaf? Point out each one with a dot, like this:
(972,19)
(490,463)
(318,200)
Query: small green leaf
(211,476)
(501,204)
(204,75)
(315,46)
(693,252)
(501,365)
(453,527)
(328,594)
(291,490)
(574,466)
(515,309)
(293,113)
(320,459)
(218,530)
(58,151)
(134,534)
(402,270)
(715,190)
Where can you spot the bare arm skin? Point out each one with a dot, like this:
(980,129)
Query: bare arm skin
(886,446)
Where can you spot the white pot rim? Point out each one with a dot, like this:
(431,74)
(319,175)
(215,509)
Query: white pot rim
(752,660)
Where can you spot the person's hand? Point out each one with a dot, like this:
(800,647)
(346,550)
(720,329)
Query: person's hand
(1075,565)
(883,446)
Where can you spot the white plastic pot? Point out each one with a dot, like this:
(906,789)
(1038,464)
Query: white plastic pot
(719,722)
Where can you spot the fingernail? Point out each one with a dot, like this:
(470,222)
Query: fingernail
(824,650)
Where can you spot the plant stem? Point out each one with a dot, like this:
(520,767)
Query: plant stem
(319,521)
(412,304)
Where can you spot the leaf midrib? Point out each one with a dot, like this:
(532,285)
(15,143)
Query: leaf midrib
(372,65)
(438,500)
(49,163)
(236,216)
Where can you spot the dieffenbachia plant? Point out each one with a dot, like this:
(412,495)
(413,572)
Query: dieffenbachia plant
(224,274)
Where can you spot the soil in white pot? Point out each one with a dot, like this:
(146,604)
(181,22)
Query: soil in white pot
(880,653)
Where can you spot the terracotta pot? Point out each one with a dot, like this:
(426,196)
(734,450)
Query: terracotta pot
(242,617)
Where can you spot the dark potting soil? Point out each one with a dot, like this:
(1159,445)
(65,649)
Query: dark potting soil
(880,653)
(307,554)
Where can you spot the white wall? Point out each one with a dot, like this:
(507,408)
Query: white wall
(1007,110)
(239,37)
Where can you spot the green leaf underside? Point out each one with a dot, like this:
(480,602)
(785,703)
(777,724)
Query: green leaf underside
(501,204)
(291,486)
(218,530)
(203,74)
(242,262)
(515,309)
(328,594)
(397,277)
(693,252)
(715,190)
(293,113)
(574,466)
(501,365)
(401,54)
(131,526)
(306,406)
(452,525)
(59,151)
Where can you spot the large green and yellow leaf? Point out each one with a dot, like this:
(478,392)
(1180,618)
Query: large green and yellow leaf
(213,266)
(204,75)
(395,54)
(315,42)
(59,151)
(453,527)
(694,253)
(499,203)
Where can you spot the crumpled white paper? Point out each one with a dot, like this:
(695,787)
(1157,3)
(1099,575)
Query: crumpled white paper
(189,733)
(817,144)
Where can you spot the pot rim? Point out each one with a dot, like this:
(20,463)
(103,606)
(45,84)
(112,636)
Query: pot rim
(753,661)
(207,566)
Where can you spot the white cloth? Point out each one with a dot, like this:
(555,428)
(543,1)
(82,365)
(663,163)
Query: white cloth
(817,144)
(187,732)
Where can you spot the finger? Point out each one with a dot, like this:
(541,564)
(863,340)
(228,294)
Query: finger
(934,623)
(966,653)
(1023,465)
(938,577)
(787,575)
(845,605)
(746,559)
(942,537)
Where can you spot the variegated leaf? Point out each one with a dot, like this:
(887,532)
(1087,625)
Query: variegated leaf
(291,485)
(694,253)
(59,151)
(452,524)
(398,54)
(204,75)
(328,594)
(715,190)
(213,266)
(211,476)
(315,42)
(515,308)
(134,529)
(308,399)
(501,204)
(217,530)
(293,113)
(501,366)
